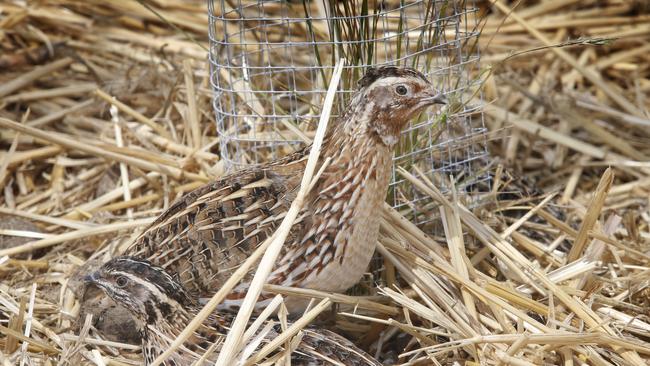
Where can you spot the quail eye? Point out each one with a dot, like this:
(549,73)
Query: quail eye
(121,281)
(401,90)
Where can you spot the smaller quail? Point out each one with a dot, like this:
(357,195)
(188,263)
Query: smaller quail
(162,307)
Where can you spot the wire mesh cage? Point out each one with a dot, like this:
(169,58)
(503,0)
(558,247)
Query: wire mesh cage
(270,68)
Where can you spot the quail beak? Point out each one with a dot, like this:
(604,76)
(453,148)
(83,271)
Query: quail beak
(90,278)
(434,97)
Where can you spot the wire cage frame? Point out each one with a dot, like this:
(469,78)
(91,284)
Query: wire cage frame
(270,63)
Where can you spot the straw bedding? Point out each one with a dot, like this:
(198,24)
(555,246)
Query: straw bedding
(551,268)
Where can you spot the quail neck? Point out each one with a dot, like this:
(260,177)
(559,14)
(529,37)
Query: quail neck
(207,233)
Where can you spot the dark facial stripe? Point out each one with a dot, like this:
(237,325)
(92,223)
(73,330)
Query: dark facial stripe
(150,309)
(151,274)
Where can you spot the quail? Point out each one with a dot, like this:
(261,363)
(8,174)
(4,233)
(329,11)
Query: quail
(207,233)
(162,307)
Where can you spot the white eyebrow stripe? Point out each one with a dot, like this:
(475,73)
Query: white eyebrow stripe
(132,260)
(389,80)
(148,285)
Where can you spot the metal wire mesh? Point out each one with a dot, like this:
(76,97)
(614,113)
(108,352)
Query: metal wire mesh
(270,66)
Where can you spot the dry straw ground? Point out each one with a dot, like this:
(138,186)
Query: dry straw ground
(553,268)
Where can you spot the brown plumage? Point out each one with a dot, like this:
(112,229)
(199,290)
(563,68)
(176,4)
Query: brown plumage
(206,234)
(161,308)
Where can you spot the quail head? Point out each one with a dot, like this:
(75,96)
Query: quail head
(207,233)
(161,308)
